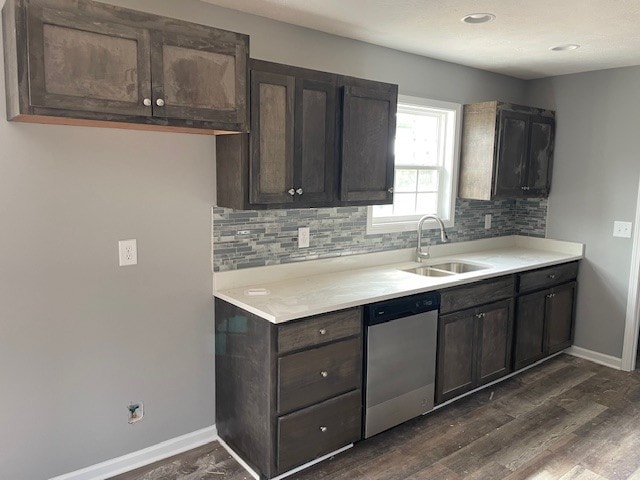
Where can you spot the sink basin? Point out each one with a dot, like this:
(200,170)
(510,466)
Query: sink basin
(429,272)
(445,269)
(457,267)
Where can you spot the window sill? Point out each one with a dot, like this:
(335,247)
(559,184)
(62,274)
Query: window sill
(407,226)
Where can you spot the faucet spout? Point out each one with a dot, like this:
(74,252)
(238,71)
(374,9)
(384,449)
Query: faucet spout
(420,254)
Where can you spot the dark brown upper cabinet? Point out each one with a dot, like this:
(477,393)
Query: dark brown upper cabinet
(293,157)
(80,62)
(368,133)
(507,151)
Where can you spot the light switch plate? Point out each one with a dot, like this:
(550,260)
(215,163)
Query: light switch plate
(622,229)
(487,221)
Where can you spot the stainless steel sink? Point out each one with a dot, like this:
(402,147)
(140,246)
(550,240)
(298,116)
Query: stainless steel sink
(445,269)
(458,267)
(429,272)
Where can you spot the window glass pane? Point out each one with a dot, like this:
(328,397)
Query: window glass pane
(427,203)
(428,181)
(417,138)
(406,180)
(382,210)
(404,203)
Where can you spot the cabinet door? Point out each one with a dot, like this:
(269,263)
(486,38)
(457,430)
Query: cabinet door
(510,174)
(540,156)
(495,324)
(315,152)
(368,132)
(559,316)
(87,62)
(456,354)
(530,329)
(200,75)
(271,164)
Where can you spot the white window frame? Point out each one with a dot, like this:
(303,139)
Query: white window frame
(449,172)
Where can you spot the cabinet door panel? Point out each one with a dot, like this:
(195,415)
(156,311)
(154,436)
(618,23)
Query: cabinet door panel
(91,66)
(456,354)
(369,124)
(512,154)
(495,334)
(200,77)
(530,329)
(271,175)
(315,124)
(540,156)
(560,314)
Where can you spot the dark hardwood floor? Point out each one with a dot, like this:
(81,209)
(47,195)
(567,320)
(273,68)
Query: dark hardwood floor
(566,419)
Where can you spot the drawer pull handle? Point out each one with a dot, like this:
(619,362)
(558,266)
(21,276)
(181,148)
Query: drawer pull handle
(551,295)
(480,315)
(323,429)
(552,276)
(324,374)
(322,331)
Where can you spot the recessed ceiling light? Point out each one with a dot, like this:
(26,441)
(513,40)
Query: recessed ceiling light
(478,18)
(564,48)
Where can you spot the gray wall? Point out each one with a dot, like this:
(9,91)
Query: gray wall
(79,336)
(595,181)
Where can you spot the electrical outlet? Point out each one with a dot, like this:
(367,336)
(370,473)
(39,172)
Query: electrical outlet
(128,252)
(622,229)
(135,411)
(303,237)
(487,221)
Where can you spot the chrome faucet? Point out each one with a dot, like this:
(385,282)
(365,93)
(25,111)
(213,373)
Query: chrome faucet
(420,255)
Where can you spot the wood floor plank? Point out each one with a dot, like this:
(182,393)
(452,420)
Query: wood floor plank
(580,473)
(566,419)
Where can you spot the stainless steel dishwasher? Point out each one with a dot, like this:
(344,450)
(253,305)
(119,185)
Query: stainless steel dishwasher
(400,364)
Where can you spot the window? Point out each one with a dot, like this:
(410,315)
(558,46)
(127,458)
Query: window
(426,153)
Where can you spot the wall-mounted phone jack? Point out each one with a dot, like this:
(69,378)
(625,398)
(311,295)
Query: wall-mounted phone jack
(136,411)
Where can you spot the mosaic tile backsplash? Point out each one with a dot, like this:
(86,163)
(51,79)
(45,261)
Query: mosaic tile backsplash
(243,239)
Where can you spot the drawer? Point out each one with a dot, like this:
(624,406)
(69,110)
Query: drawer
(476,294)
(547,277)
(318,430)
(314,375)
(320,329)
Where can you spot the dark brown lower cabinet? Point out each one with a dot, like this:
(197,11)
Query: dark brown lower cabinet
(474,347)
(287,394)
(544,323)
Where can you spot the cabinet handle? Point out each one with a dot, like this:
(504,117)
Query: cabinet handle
(291,192)
(160,102)
(323,429)
(551,295)
(299,191)
(324,374)
(322,331)
(551,276)
(390,190)
(146,102)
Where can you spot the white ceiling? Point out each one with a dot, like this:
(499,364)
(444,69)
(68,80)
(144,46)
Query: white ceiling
(516,43)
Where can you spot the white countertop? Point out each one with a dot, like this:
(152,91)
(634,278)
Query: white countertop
(286,292)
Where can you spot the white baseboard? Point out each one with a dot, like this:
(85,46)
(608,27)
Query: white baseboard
(596,357)
(146,456)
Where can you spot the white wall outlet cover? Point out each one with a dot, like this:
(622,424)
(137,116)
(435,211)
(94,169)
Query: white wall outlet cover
(303,237)
(622,229)
(487,221)
(128,252)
